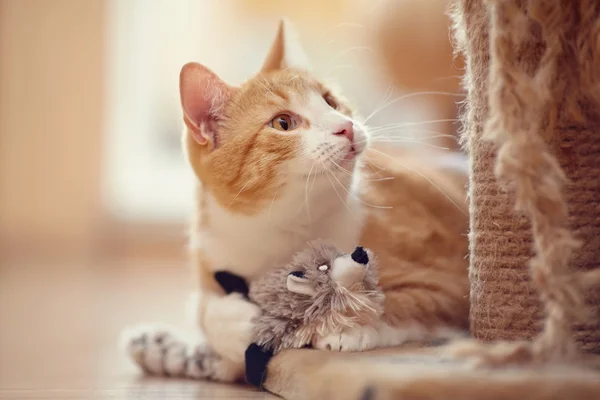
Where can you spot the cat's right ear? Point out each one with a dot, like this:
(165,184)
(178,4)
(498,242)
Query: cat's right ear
(203,97)
(286,50)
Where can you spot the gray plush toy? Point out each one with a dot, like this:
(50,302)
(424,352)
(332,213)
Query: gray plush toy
(321,291)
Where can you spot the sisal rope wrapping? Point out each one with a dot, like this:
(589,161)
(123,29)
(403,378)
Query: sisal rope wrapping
(532,130)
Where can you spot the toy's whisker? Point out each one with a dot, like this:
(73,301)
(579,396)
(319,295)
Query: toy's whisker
(358,304)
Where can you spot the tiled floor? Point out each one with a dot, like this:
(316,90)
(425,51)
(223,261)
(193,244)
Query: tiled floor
(59,328)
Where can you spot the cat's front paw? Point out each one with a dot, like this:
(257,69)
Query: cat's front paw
(160,351)
(156,350)
(357,339)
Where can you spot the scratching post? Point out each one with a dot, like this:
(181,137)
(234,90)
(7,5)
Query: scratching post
(532,131)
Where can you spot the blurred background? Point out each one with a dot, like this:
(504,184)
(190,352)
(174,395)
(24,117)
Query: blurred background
(94,191)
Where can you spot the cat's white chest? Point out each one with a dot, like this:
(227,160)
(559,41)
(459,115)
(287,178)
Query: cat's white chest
(248,246)
(248,252)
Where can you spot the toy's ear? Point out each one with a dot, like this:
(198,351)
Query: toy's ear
(297,283)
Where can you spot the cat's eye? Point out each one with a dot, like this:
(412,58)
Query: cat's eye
(330,100)
(283,122)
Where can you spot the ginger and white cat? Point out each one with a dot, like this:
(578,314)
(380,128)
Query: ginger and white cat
(282,160)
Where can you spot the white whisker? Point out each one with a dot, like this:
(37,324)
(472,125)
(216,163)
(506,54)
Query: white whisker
(312,185)
(264,84)
(386,138)
(351,49)
(424,177)
(386,96)
(306,202)
(401,125)
(394,137)
(444,78)
(370,162)
(406,140)
(357,198)
(238,193)
(407,96)
(336,192)
(271,207)
(342,169)
(375,165)
(283,70)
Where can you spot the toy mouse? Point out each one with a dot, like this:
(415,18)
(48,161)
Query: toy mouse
(321,291)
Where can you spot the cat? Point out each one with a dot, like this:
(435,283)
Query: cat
(282,160)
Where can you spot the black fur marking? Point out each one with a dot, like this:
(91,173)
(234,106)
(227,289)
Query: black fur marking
(231,283)
(360,256)
(257,359)
(298,274)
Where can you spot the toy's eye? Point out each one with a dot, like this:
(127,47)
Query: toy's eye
(324,267)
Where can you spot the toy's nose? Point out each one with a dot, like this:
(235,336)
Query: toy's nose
(360,256)
(350,269)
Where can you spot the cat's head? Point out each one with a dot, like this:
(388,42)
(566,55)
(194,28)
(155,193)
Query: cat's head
(246,144)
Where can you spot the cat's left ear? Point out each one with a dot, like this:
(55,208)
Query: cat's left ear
(286,51)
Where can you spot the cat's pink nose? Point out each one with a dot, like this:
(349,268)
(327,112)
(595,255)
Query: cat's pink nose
(346,129)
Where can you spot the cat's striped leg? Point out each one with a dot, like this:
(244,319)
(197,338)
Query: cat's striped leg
(161,351)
